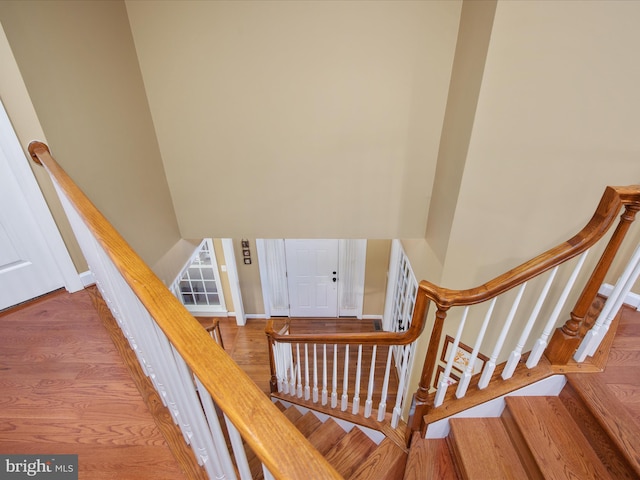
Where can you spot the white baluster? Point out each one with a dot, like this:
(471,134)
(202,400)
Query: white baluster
(593,338)
(515,356)
(541,343)
(444,381)
(490,367)
(397,410)
(382,406)
(299,370)
(324,374)
(334,380)
(307,387)
(238,450)
(465,378)
(345,380)
(315,374)
(292,378)
(368,405)
(356,396)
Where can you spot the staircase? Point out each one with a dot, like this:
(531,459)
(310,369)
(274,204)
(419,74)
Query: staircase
(348,449)
(590,431)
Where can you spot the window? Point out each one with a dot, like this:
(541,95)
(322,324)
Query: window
(199,284)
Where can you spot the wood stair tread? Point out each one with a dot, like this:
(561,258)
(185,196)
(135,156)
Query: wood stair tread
(386,462)
(307,423)
(349,452)
(599,439)
(614,418)
(429,458)
(555,442)
(482,448)
(326,436)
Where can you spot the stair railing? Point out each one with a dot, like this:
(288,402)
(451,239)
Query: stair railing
(340,370)
(524,305)
(190,371)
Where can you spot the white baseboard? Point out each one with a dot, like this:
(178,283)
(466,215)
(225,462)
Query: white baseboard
(632,299)
(87,278)
(371,317)
(254,315)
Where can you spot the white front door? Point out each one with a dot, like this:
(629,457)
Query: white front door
(27,266)
(312,273)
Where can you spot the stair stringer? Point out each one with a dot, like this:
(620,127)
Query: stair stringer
(550,386)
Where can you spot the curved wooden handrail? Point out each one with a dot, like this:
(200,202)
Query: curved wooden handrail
(613,199)
(364,338)
(257,419)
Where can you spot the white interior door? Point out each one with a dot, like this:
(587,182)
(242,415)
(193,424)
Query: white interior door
(312,273)
(27,267)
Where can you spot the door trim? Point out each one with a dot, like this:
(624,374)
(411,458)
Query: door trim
(273,276)
(26,181)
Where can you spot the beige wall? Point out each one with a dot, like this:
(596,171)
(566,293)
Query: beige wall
(297,119)
(375,276)
(80,68)
(557,120)
(16,101)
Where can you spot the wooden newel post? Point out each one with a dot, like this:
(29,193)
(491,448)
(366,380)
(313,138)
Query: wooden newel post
(273,383)
(420,403)
(566,339)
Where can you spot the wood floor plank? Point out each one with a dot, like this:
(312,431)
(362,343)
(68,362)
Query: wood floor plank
(66,390)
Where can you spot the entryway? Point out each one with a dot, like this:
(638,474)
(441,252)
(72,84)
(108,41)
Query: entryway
(312,277)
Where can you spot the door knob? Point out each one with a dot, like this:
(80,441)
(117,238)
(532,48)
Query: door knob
(335,279)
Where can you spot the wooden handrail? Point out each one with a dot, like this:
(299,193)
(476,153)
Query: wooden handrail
(613,199)
(256,418)
(560,348)
(364,338)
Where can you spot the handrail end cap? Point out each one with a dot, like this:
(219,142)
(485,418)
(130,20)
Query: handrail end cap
(34,146)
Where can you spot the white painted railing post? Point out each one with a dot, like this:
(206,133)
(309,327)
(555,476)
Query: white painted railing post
(541,343)
(356,396)
(324,374)
(593,338)
(368,405)
(334,380)
(315,374)
(382,406)
(444,381)
(345,380)
(490,366)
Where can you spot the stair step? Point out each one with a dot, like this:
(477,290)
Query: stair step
(386,462)
(326,436)
(307,423)
(482,448)
(556,445)
(292,413)
(347,455)
(616,421)
(429,458)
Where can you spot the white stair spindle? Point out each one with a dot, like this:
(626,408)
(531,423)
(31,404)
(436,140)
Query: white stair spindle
(592,339)
(444,381)
(356,396)
(397,410)
(345,380)
(368,405)
(334,380)
(465,378)
(490,367)
(239,452)
(382,406)
(541,343)
(299,371)
(315,374)
(515,356)
(307,387)
(324,374)
(292,378)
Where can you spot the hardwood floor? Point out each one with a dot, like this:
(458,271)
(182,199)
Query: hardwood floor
(65,390)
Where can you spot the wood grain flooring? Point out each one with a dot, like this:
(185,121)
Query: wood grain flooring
(65,390)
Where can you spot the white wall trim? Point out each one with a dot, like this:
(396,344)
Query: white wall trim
(264,277)
(632,299)
(371,317)
(87,278)
(234,281)
(257,315)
